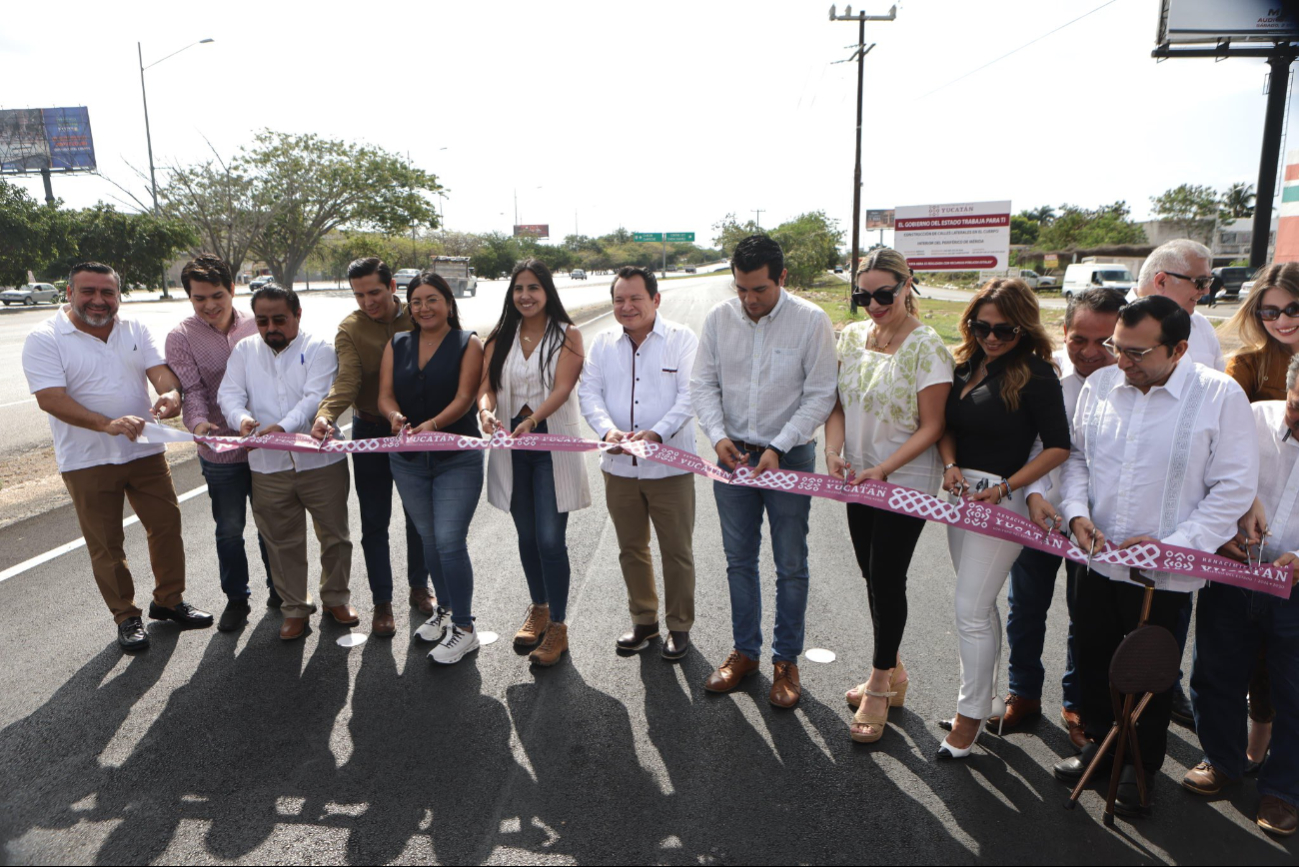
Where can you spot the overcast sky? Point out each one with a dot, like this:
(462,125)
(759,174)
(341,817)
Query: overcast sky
(660,116)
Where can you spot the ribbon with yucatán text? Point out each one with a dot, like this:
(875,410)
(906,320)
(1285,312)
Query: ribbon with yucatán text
(978,517)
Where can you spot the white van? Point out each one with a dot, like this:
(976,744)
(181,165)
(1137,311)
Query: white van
(1082,276)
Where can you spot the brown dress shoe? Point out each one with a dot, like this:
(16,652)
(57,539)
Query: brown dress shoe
(383,623)
(638,638)
(552,646)
(293,628)
(345,614)
(786,689)
(533,627)
(1205,779)
(729,674)
(1073,722)
(677,645)
(1019,710)
(423,600)
(1276,816)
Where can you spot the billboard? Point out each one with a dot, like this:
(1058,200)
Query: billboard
(57,139)
(964,236)
(532,230)
(1190,21)
(879,219)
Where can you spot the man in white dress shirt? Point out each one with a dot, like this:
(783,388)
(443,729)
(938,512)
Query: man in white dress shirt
(764,381)
(1233,623)
(274,383)
(636,386)
(1159,455)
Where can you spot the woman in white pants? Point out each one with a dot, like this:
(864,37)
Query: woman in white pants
(1005,397)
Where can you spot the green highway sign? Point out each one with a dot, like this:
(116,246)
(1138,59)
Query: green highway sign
(681,237)
(642,237)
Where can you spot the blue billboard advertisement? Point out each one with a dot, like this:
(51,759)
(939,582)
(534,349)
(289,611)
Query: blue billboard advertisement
(34,139)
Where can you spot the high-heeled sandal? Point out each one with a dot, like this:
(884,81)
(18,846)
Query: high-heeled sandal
(946,750)
(898,689)
(879,721)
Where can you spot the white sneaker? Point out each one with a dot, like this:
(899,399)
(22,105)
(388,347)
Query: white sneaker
(435,628)
(454,645)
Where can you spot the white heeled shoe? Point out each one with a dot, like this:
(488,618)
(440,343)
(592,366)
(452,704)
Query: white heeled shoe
(947,751)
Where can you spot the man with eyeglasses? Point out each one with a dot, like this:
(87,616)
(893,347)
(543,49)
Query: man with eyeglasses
(1163,452)
(1089,322)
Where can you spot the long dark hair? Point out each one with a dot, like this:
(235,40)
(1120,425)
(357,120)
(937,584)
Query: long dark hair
(1018,304)
(508,325)
(438,282)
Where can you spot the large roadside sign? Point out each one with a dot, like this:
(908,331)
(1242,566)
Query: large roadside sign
(879,218)
(540,231)
(962,236)
(680,237)
(46,139)
(1211,21)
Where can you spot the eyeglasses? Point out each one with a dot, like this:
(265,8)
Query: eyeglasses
(1271,314)
(983,330)
(1134,355)
(1201,283)
(885,296)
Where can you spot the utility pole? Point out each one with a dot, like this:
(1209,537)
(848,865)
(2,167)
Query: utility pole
(757,217)
(1269,156)
(859,54)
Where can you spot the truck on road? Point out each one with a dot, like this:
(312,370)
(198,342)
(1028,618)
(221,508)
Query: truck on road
(458,273)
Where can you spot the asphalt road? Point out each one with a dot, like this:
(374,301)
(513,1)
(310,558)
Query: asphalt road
(218,747)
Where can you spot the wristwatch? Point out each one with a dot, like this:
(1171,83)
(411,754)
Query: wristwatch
(779,453)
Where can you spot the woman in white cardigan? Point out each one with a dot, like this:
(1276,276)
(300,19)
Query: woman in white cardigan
(535,358)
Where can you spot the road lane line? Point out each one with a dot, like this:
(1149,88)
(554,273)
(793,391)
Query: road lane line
(17,402)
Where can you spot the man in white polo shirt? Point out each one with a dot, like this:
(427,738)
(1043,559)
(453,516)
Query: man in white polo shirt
(87,368)
(274,382)
(636,386)
(1181,269)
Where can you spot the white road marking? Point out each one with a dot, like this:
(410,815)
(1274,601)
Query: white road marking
(18,402)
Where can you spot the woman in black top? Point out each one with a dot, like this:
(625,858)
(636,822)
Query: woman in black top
(1005,395)
(427,382)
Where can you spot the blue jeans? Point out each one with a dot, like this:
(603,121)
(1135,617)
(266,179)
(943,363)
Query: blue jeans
(543,529)
(440,492)
(373,477)
(1230,626)
(740,510)
(230,488)
(1032,584)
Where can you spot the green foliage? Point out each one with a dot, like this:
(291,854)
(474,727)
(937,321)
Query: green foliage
(811,244)
(1024,229)
(30,235)
(1076,227)
(138,246)
(1237,202)
(1042,214)
(1188,207)
(729,232)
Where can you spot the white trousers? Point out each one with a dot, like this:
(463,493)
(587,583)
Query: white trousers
(982,564)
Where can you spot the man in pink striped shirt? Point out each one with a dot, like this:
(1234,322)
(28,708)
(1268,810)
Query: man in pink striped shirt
(197,350)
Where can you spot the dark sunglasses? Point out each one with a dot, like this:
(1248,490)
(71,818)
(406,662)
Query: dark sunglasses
(1201,283)
(983,330)
(885,296)
(1271,314)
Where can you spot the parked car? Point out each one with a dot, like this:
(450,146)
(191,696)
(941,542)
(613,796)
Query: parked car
(577,274)
(838,269)
(1034,280)
(403,277)
(1082,276)
(260,281)
(691,269)
(31,295)
(1233,278)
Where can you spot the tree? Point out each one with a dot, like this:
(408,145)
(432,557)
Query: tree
(1189,207)
(811,244)
(137,246)
(1023,229)
(29,235)
(455,243)
(495,256)
(729,232)
(317,185)
(1043,214)
(1075,227)
(1237,202)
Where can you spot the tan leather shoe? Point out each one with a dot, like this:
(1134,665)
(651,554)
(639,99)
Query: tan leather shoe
(786,688)
(1074,723)
(1019,710)
(552,647)
(534,626)
(1275,816)
(293,628)
(423,600)
(345,614)
(729,674)
(1205,779)
(383,624)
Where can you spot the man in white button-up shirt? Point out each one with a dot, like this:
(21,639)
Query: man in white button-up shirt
(1233,624)
(636,386)
(1163,451)
(274,382)
(764,381)
(1182,270)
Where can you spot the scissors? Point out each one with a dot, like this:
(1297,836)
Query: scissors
(1054,521)
(1091,551)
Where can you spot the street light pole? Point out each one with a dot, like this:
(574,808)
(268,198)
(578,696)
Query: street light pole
(860,55)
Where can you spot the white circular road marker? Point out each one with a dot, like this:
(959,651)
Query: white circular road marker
(352,639)
(820,654)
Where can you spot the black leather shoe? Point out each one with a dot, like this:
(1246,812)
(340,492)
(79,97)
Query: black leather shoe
(274,600)
(1071,770)
(1127,801)
(235,615)
(185,614)
(677,645)
(638,638)
(1182,710)
(131,634)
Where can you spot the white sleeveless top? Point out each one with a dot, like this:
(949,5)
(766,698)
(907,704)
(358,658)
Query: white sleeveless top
(522,383)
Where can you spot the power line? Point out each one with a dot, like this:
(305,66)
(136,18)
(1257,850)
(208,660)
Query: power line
(1020,48)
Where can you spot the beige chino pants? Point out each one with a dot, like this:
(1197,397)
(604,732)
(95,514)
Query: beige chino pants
(670,504)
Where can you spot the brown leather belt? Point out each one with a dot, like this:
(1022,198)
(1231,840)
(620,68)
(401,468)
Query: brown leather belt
(749,447)
(366,417)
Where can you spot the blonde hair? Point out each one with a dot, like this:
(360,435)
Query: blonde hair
(1246,324)
(1015,301)
(890,260)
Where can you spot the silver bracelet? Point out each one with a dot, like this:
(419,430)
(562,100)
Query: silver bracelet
(947,467)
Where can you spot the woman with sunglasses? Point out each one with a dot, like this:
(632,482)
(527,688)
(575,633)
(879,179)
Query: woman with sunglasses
(1267,325)
(894,377)
(1005,396)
